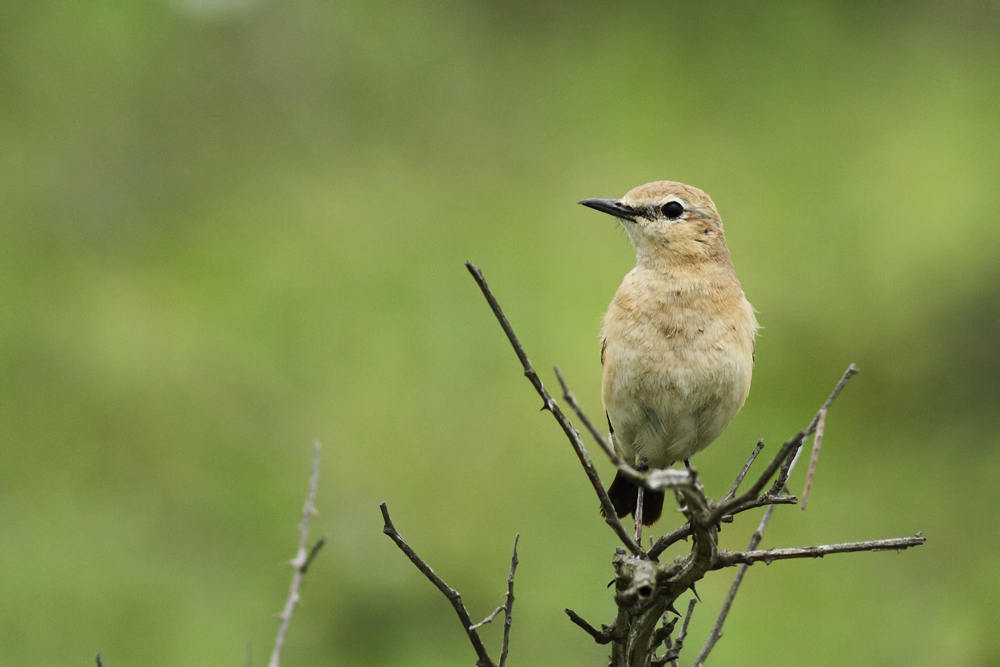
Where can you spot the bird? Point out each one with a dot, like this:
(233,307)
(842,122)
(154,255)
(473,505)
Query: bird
(677,341)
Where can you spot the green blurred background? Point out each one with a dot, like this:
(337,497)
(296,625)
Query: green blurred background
(231,227)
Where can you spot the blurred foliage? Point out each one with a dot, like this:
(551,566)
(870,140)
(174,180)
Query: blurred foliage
(230,227)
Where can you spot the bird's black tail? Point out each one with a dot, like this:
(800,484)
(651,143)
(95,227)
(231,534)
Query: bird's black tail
(624,494)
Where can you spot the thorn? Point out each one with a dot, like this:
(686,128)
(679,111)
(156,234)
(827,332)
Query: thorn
(672,609)
(695,593)
(611,582)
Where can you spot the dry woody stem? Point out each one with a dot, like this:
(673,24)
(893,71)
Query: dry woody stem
(645,589)
(303,558)
(455,598)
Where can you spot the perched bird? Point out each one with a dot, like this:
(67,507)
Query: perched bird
(678,338)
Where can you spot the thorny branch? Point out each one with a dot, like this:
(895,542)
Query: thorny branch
(814,460)
(303,558)
(455,598)
(646,589)
(548,403)
(749,557)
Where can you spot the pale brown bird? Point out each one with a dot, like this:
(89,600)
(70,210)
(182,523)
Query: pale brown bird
(678,338)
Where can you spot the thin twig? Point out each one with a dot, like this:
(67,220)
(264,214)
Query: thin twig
(716,632)
(488,619)
(762,501)
(726,507)
(603,636)
(814,460)
(662,633)
(679,644)
(453,596)
(674,650)
(301,561)
(669,539)
(99,663)
(851,371)
(595,432)
(749,557)
(508,605)
(743,473)
(610,516)
(657,479)
(313,552)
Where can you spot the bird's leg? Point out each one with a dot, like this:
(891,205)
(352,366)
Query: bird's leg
(638,515)
(639,497)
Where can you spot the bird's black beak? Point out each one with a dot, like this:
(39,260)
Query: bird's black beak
(611,206)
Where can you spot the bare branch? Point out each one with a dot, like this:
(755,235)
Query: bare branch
(509,605)
(743,473)
(453,596)
(602,636)
(687,620)
(662,634)
(776,488)
(786,468)
(655,480)
(595,432)
(754,491)
(488,619)
(303,558)
(313,552)
(852,370)
(674,650)
(814,460)
(728,559)
(548,403)
(762,501)
(99,663)
(669,539)
(716,633)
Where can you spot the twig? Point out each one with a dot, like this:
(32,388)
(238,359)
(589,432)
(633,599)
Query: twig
(683,532)
(674,650)
(453,596)
(814,460)
(488,619)
(301,561)
(313,552)
(548,403)
(662,633)
(716,632)
(99,663)
(687,620)
(743,473)
(508,605)
(603,636)
(749,557)
(669,539)
(726,507)
(851,371)
(657,479)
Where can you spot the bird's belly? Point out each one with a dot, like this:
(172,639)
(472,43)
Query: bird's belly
(666,405)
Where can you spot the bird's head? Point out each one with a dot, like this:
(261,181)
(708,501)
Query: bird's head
(668,223)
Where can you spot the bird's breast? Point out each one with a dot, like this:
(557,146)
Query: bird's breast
(678,357)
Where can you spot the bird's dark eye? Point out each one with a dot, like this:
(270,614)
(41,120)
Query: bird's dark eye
(672,210)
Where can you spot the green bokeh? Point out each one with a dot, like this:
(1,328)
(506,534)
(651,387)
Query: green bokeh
(231,227)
